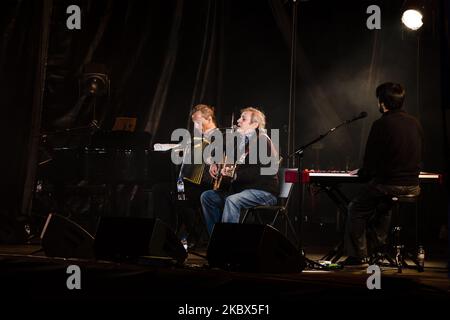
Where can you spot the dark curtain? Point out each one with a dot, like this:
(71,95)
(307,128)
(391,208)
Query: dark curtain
(163,57)
(149,54)
(139,45)
(22,69)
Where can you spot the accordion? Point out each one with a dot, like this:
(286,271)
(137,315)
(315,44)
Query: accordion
(193,168)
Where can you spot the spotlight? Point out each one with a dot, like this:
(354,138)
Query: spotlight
(95,84)
(94,80)
(412,19)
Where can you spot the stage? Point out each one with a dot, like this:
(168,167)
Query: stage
(106,102)
(33,277)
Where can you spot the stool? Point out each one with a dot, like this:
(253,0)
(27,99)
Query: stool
(397,254)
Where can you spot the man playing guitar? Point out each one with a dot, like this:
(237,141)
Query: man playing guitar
(249,187)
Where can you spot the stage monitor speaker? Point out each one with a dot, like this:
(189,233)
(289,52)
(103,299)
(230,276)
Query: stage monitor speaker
(252,248)
(128,238)
(64,238)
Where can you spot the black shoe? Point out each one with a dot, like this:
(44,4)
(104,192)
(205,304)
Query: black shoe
(355,262)
(191,245)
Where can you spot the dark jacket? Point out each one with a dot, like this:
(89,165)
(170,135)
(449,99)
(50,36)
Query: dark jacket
(248,176)
(394,150)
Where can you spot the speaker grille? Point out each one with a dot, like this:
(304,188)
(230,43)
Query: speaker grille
(64,238)
(252,248)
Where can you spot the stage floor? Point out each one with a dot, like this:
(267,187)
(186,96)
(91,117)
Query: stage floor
(28,274)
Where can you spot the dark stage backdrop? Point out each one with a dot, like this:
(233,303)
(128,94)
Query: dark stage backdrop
(163,57)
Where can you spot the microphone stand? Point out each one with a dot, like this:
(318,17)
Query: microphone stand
(299,154)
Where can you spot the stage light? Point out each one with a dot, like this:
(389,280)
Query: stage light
(412,19)
(95,84)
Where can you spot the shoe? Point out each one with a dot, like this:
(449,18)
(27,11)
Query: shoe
(191,245)
(377,258)
(355,262)
(184,242)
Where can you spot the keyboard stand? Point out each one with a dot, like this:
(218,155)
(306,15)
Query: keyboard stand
(341,202)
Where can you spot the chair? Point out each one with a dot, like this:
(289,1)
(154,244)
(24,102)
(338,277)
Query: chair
(396,254)
(278,211)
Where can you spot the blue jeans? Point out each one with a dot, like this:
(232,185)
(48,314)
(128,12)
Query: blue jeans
(224,207)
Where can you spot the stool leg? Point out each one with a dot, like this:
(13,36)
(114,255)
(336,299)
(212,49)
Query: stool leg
(399,259)
(390,260)
(245,215)
(419,264)
(398,249)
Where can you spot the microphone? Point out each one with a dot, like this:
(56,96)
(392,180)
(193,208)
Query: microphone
(360,116)
(233,128)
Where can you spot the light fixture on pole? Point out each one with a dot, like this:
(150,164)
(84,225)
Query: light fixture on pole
(94,84)
(413,11)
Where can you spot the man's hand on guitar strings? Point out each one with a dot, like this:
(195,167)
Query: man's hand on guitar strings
(227,171)
(213,171)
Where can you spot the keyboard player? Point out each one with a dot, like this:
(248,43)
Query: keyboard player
(391,167)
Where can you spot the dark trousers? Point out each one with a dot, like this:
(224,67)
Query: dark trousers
(369,218)
(181,216)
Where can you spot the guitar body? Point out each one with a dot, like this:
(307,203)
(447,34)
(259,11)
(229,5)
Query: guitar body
(223,183)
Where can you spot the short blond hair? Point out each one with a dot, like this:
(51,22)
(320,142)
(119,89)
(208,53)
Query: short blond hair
(207,111)
(257,116)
